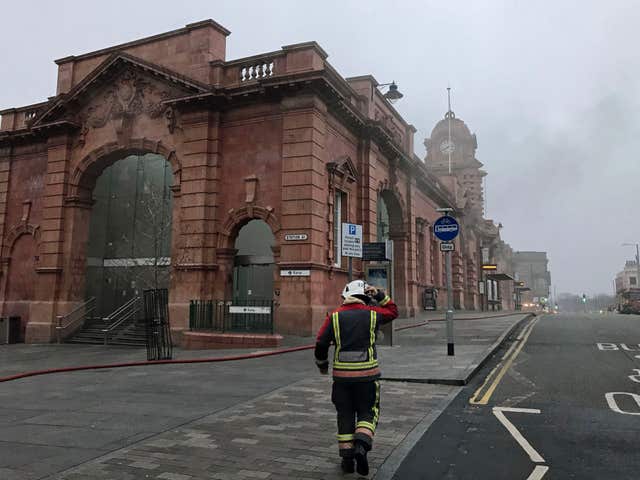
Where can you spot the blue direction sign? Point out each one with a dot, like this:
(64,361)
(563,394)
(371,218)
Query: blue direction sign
(446,228)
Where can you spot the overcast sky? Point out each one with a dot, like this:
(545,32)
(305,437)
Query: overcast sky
(551,88)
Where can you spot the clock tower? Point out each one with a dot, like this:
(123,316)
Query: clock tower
(451,150)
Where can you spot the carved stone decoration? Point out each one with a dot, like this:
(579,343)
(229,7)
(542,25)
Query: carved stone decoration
(251,188)
(170,119)
(26,211)
(82,135)
(128,96)
(393,172)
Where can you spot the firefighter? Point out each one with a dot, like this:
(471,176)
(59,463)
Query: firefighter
(352,329)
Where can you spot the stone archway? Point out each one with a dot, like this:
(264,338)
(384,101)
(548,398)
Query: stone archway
(254,264)
(392,226)
(226,250)
(129,235)
(93,164)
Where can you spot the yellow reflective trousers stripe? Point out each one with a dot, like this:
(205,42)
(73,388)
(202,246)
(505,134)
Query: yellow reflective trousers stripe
(376,406)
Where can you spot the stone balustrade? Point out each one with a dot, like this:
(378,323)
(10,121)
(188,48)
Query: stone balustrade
(257,71)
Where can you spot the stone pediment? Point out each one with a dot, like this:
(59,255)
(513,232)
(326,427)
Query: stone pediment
(344,168)
(122,86)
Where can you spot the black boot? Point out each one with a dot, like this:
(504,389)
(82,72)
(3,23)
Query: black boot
(347,465)
(361,459)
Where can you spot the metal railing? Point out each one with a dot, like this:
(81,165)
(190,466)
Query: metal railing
(80,313)
(119,316)
(158,328)
(243,315)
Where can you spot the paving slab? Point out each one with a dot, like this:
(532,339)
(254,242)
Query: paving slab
(288,433)
(420,354)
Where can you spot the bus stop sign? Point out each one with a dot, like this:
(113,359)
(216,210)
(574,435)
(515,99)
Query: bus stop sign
(446,228)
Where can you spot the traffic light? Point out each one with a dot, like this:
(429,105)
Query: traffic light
(584,298)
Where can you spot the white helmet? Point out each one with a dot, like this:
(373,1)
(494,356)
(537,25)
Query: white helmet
(354,289)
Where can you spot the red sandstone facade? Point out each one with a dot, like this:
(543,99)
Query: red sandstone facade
(269,137)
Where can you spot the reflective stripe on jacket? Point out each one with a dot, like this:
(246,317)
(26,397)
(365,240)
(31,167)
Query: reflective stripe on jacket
(352,329)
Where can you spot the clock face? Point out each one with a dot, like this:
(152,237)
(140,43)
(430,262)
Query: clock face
(447,146)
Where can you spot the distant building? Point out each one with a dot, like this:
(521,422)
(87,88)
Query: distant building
(627,278)
(532,268)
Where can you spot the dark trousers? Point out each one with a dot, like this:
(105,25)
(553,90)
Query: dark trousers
(358,407)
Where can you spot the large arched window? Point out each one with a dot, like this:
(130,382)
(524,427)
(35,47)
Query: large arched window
(129,245)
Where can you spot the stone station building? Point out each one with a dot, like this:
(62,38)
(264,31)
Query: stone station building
(161,163)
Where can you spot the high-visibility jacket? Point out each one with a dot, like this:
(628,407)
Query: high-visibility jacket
(352,328)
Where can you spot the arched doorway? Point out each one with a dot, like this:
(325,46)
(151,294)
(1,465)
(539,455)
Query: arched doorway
(129,246)
(390,226)
(253,264)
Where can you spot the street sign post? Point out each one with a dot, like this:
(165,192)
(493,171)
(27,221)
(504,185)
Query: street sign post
(351,243)
(446,229)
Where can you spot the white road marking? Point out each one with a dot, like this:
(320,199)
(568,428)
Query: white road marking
(607,346)
(636,377)
(611,400)
(518,410)
(515,433)
(538,472)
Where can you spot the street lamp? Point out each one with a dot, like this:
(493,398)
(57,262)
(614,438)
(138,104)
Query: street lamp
(637,262)
(392,94)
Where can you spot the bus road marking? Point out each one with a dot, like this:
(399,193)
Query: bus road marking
(613,405)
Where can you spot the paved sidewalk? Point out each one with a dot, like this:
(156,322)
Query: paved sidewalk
(286,434)
(420,354)
(262,418)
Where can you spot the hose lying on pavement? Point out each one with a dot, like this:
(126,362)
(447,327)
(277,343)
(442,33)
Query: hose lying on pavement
(155,362)
(421,324)
(229,358)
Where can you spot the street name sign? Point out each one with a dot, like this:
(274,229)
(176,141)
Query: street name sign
(292,237)
(255,310)
(351,240)
(447,247)
(446,228)
(295,273)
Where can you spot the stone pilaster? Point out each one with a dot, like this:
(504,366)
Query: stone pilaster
(48,286)
(304,210)
(5,171)
(195,216)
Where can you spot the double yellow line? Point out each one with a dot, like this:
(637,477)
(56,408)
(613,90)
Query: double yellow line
(502,367)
